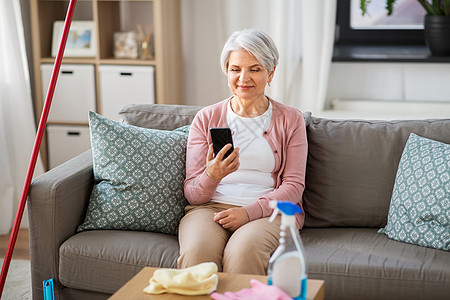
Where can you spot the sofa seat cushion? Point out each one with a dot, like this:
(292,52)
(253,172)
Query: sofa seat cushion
(358,263)
(104,260)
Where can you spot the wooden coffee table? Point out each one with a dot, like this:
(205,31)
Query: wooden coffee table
(133,289)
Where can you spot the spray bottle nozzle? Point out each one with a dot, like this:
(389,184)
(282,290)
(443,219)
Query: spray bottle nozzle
(273,204)
(286,207)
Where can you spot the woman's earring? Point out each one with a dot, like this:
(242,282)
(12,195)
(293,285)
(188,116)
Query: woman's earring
(268,83)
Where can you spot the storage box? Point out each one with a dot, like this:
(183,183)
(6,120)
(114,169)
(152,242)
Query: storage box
(74,93)
(66,142)
(122,85)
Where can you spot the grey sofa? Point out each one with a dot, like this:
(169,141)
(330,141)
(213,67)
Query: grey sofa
(350,176)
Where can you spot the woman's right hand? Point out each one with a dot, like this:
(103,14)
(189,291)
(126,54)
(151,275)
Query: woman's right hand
(218,167)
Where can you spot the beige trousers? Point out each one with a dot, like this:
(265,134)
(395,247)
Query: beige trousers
(245,251)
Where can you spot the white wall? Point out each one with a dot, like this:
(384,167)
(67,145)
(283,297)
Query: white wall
(388,90)
(390,81)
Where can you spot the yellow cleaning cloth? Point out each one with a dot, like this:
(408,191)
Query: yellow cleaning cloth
(197,280)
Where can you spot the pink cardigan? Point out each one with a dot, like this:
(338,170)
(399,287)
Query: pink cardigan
(286,136)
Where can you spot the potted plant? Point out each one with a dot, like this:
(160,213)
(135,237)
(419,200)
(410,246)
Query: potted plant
(436,24)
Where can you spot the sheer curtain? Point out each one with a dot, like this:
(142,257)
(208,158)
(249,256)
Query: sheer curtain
(17,128)
(303,31)
(318,27)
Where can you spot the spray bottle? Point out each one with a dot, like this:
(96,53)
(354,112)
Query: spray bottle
(287,266)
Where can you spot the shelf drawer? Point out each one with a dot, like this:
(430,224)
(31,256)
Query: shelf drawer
(66,142)
(122,85)
(74,93)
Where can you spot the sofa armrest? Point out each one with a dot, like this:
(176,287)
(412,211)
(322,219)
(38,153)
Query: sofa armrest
(57,204)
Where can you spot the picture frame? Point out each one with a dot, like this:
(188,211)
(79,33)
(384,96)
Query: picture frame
(126,45)
(81,42)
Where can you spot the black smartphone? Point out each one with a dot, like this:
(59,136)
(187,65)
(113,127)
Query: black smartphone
(220,137)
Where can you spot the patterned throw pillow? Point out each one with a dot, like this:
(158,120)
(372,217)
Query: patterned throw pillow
(420,205)
(139,175)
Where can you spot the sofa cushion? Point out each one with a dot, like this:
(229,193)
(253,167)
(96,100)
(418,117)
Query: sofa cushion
(104,260)
(351,168)
(358,263)
(420,206)
(139,175)
(158,116)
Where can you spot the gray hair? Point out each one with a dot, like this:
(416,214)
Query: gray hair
(255,41)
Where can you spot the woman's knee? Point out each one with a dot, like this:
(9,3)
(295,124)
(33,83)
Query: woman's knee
(249,249)
(245,258)
(199,244)
(194,256)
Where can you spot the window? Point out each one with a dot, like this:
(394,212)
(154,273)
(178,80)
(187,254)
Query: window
(403,27)
(407,15)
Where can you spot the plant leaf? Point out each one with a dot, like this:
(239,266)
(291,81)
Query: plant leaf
(437,6)
(389,6)
(446,7)
(363,5)
(430,9)
(436,3)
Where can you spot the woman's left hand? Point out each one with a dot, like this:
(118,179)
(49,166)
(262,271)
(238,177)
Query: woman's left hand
(232,218)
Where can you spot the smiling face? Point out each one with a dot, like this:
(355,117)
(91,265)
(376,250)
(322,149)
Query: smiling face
(247,78)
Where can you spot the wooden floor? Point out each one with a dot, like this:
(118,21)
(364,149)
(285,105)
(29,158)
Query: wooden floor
(21,249)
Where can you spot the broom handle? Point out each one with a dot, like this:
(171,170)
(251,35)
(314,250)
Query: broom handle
(37,145)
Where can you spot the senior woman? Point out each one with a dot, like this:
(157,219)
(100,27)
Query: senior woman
(227,219)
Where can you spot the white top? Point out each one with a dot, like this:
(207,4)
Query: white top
(253,179)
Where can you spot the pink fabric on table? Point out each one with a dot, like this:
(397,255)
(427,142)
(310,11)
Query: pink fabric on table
(259,291)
